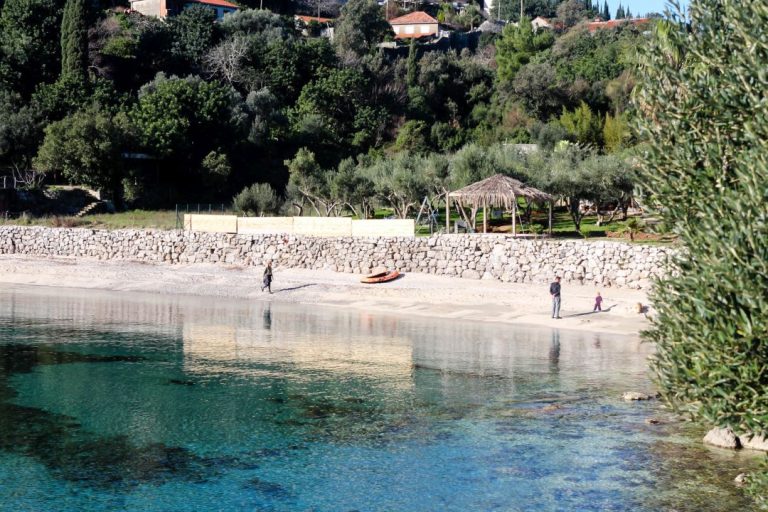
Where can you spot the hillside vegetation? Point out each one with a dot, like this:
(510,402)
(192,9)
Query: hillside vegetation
(156,112)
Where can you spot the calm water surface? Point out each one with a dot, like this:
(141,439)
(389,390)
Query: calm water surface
(136,402)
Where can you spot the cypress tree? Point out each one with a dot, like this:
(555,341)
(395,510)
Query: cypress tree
(620,13)
(628,14)
(606,11)
(412,75)
(74,40)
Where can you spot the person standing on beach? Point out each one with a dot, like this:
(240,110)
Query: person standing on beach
(554,291)
(598,303)
(267,282)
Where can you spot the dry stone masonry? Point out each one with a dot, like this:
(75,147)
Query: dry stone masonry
(496,257)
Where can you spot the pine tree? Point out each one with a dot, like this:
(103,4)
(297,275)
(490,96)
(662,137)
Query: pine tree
(620,13)
(74,40)
(628,14)
(606,11)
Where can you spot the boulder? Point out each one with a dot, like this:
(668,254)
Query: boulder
(753,442)
(630,396)
(740,480)
(722,438)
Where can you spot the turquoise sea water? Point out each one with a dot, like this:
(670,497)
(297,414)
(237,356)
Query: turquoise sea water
(136,402)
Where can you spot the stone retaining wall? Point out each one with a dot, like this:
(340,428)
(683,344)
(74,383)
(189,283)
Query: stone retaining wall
(469,256)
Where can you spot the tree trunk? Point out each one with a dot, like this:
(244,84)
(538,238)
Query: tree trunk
(576,215)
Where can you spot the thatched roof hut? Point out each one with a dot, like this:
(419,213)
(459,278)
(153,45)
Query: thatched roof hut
(499,190)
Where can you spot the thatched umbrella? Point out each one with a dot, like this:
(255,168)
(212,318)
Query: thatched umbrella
(498,190)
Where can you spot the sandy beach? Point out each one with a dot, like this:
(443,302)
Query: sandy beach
(412,294)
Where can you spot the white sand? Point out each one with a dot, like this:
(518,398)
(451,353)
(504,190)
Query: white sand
(413,294)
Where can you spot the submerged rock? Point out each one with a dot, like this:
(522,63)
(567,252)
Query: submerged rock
(180,382)
(652,421)
(753,442)
(722,438)
(634,395)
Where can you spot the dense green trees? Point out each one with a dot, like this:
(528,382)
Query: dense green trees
(86,148)
(516,47)
(29,44)
(359,28)
(21,131)
(193,35)
(333,110)
(705,124)
(192,126)
(213,107)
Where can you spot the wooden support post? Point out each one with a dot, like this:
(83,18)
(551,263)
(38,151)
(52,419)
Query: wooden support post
(514,217)
(447,213)
(485,216)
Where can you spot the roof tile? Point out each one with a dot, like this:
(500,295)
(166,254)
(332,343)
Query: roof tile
(413,18)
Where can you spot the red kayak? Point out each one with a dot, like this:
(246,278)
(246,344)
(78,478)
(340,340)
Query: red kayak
(381,277)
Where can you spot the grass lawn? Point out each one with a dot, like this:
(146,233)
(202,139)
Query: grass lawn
(146,219)
(562,225)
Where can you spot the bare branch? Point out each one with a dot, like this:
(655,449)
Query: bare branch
(226,59)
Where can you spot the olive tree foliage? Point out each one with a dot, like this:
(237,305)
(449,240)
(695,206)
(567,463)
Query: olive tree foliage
(353,188)
(257,22)
(704,119)
(258,200)
(400,182)
(309,183)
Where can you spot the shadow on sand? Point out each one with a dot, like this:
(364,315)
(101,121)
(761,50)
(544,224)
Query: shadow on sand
(605,310)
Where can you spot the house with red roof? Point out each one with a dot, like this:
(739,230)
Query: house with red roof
(166,8)
(306,20)
(598,24)
(414,25)
(541,22)
(314,26)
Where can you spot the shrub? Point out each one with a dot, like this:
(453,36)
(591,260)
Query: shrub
(705,121)
(258,199)
(633,227)
(66,222)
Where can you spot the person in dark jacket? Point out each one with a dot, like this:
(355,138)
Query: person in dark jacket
(598,303)
(267,282)
(554,291)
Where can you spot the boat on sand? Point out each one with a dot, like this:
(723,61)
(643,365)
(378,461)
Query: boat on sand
(381,277)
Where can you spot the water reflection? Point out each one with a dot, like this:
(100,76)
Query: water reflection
(226,404)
